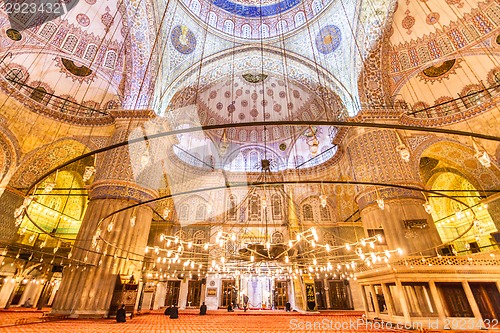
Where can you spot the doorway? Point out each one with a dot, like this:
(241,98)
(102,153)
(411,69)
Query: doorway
(320,294)
(228,293)
(487,298)
(281,294)
(339,295)
(194,292)
(172,297)
(454,299)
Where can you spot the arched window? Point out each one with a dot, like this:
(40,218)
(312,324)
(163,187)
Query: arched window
(324,212)
(254,160)
(91,52)
(246,31)
(228,27)
(195,7)
(307,212)
(282,27)
(276,202)
(110,59)
(231,208)
(254,207)
(200,212)
(317,5)
(183,212)
(264,31)
(15,75)
(38,94)
(212,19)
(198,239)
(48,30)
(472,97)
(70,43)
(299,19)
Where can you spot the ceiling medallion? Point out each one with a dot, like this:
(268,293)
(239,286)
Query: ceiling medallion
(14,34)
(255,78)
(328,39)
(183,39)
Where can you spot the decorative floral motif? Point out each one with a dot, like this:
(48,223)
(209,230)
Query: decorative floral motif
(107,19)
(91,2)
(458,3)
(432,18)
(408,22)
(328,39)
(183,39)
(83,20)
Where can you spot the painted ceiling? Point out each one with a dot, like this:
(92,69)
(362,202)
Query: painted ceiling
(315,55)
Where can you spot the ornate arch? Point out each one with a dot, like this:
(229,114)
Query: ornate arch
(461,158)
(41,160)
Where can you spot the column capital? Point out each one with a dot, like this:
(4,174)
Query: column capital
(371,194)
(117,189)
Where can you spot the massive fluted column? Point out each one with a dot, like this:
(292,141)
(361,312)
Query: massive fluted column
(119,183)
(405,223)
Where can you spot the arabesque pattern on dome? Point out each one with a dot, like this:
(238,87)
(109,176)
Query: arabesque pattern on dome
(251,19)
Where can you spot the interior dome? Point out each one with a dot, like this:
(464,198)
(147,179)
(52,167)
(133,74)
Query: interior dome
(254,19)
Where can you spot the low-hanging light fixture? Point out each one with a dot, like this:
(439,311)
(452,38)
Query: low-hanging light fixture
(402,149)
(481,155)
(224,143)
(312,141)
(323,197)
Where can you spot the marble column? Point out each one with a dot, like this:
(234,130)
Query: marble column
(86,291)
(374,158)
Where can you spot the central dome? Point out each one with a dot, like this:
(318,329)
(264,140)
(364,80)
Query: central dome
(255,19)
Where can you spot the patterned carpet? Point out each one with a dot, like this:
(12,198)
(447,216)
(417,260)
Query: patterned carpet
(189,321)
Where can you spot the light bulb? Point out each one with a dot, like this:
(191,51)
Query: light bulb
(483,158)
(381,203)
(327,247)
(110,226)
(322,199)
(427,207)
(132,221)
(49,186)
(404,152)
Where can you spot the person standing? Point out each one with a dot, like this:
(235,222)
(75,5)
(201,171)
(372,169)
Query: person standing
(203,309)
(245,302)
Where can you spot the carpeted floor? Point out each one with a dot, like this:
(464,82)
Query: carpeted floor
(190,322)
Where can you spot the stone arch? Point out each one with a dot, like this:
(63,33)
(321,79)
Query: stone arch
(458,156)
(41,160)
(9,155)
